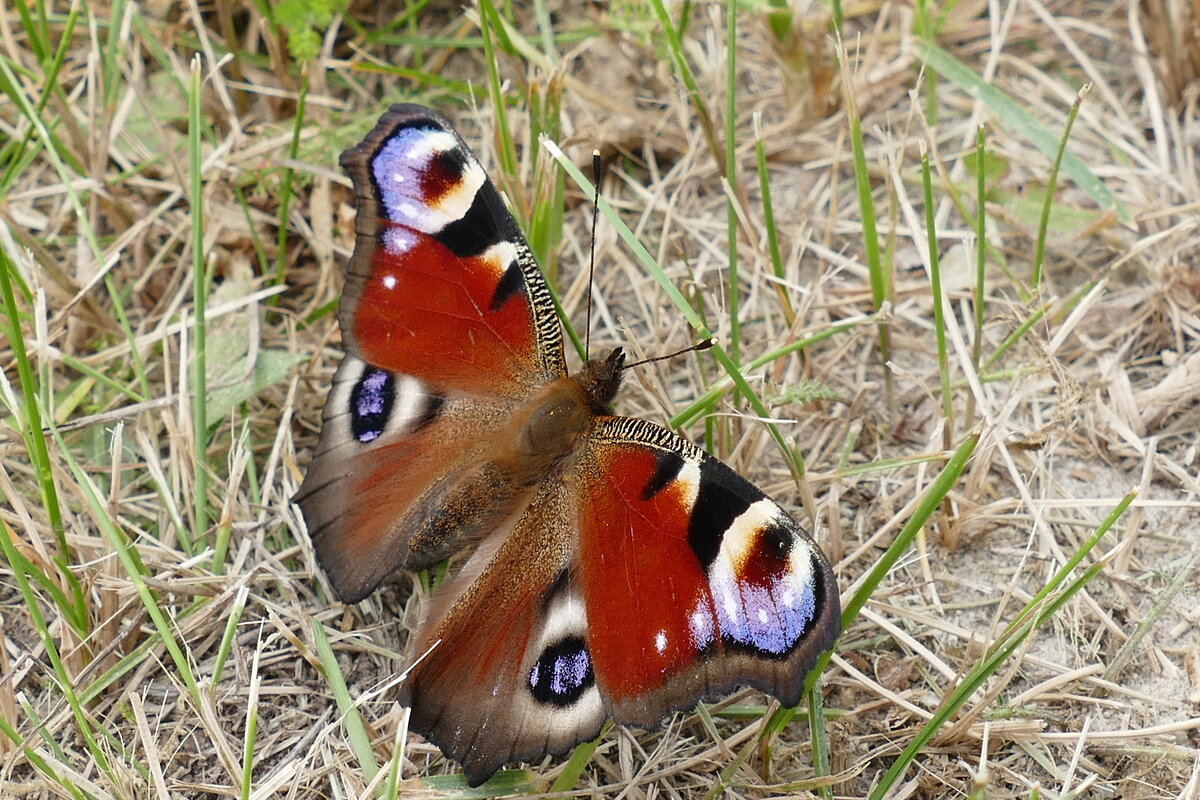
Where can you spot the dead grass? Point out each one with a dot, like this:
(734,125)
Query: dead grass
(161,650)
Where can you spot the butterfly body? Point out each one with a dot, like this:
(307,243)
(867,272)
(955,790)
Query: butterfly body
(612,569)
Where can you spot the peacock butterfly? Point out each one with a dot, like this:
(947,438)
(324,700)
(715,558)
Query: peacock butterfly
(613,569)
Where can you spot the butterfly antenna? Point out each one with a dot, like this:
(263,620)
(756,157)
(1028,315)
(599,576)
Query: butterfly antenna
(697,347)
(587,336)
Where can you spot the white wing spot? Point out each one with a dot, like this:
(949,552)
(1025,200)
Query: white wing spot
(730,603)
(389,281)
(660,641)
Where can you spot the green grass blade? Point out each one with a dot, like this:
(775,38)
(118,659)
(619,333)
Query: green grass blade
(939,311)
(356,731)
(731,178)
(1039,250)
(200,286)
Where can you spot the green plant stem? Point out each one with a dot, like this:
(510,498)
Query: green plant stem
(1039,251)
(199,302)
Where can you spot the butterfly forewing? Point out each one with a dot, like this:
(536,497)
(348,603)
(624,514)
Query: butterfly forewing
(447,322)
(442,285)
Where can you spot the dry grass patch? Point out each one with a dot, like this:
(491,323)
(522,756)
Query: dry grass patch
(163,630)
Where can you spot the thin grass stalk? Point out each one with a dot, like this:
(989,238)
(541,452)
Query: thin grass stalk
(675,48)
(768,211)
(251,725)
(229,637)
(200,303)
(391,785)
(1039,250)
(980,240)
(110,73)
(939,312)
(356,731)
(731,218)
(28,413)
(287,185)
(980,297)
(260,252)
(969,212)
(545,26)
(819,739)
(506,154)
(870,236)
(37,31)
(923,30)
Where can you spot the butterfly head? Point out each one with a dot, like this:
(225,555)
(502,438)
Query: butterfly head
(600,379)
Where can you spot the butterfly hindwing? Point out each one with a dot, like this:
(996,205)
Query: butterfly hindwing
(394,460)
(503,672)
(694,581)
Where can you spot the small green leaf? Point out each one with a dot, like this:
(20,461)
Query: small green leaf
(270,367)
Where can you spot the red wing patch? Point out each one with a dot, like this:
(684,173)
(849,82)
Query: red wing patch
(428,313)
(642,583)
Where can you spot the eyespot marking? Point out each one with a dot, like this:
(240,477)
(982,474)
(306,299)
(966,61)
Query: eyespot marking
(562,673)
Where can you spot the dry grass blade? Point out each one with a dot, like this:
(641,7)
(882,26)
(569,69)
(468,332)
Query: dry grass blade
(164,631)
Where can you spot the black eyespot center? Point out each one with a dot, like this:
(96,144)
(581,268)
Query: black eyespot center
(562,673)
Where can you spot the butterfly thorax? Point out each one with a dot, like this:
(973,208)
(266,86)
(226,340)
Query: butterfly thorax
(600,379)
(548,425)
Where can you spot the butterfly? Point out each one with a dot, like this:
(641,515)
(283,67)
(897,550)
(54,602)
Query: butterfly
(612,569)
